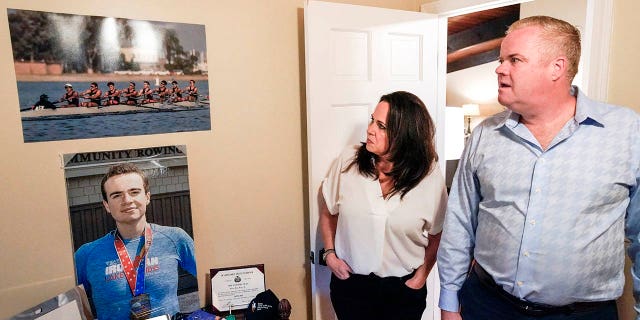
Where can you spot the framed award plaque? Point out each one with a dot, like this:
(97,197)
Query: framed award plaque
(233,288)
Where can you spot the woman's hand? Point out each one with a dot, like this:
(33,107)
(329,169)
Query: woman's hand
(417,281)
(340,268)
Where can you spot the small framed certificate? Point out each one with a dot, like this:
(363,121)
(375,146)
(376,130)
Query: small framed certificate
(233,288)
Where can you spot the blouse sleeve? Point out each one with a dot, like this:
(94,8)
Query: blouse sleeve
(331,183)
(440,200)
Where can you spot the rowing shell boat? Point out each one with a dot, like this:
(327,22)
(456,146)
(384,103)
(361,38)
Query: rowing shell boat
(83,112)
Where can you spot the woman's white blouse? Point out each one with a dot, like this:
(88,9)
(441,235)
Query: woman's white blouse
(386,237)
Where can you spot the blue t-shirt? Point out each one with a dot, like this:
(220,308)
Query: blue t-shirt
(99,270)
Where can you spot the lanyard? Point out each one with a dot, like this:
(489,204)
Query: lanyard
(134,272)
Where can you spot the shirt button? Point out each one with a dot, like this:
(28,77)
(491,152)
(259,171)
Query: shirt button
(532,222)
(537,190)
(519,283)
(526,253)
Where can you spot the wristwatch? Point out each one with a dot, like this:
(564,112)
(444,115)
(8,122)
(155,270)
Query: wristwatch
(326,254)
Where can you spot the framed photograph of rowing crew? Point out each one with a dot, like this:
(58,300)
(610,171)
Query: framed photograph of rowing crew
(81,76)
(130,217)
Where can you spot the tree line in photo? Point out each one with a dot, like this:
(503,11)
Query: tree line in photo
(37,36)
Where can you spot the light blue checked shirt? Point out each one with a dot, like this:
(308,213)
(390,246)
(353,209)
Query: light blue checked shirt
(548,225)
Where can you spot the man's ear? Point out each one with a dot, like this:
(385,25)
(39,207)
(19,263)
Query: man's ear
(559,68)
(148,197)
(106,206)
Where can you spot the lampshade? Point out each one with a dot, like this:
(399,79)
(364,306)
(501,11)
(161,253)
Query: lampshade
(471,109)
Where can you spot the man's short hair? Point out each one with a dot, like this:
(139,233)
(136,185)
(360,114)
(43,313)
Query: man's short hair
(558,38)
(120,169)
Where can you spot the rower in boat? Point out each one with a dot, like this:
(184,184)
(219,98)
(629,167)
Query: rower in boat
(93,94)
(192,91)
(176,92)
(112,95)
(146,93)
(70,97)
(162,91)
(43,103)
(131,94)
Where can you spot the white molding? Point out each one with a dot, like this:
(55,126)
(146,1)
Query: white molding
(450,8)
(442,89)
(597,38)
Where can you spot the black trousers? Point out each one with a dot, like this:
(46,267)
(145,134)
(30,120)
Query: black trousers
(369,297)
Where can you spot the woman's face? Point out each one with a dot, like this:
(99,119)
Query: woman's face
(377,140)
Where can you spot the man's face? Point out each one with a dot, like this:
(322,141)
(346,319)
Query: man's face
(126,199)
(111,87)
(523,74)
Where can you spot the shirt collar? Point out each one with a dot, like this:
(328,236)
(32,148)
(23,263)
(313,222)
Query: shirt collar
(586,109)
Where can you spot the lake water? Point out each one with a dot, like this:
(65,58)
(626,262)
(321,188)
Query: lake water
(106,125)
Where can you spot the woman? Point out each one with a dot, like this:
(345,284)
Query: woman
(381,214)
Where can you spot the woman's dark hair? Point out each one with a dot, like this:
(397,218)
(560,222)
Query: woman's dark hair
(412,151)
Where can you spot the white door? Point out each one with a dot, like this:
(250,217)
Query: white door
(354,55)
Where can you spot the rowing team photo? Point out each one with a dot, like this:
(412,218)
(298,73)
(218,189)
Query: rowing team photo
(164,97)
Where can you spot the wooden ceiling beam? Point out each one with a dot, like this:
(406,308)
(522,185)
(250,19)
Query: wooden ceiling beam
(474,49)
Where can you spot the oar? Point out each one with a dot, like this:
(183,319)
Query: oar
(139,104)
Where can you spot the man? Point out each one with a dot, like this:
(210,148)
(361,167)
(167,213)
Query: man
(536,216)
(162,91)
(176,92)
(133,270)
(191,90)
(146,93)
(93,94)
(43,103)
(131,94)
(70,97)
(112,95)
